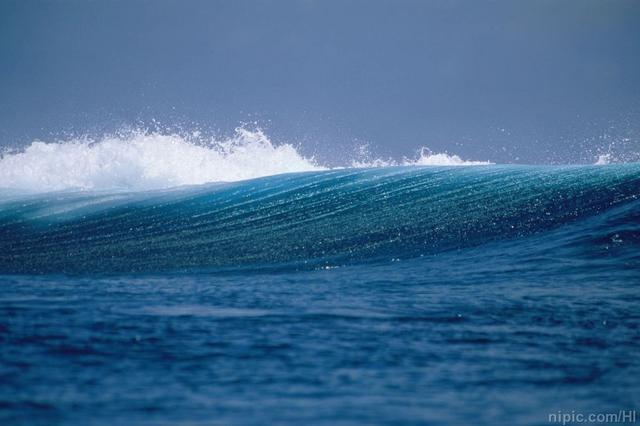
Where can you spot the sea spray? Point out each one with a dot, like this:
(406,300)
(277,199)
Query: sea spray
(142,160)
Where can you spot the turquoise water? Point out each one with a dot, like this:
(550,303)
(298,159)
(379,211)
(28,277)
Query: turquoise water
(399,295)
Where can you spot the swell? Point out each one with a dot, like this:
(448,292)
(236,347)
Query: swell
(324,218)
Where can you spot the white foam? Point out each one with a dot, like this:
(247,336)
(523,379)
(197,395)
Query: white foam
(143,160)
(147,161)
(603,159)
(425,157)
(428,158)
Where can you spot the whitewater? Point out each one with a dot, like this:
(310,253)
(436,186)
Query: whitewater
(142,160)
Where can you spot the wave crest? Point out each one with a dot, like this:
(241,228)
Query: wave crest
(425,157)
(145,161)
(148,161)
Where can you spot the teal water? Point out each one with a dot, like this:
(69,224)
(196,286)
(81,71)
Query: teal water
(401,295)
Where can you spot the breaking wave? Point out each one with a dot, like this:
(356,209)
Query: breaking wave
(144,161)
(330,217)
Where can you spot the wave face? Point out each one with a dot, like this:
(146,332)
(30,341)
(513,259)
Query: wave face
(327,218)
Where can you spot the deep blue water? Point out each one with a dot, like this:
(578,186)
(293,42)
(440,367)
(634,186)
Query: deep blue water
(473,295)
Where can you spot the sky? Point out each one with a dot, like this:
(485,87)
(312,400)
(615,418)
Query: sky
(545,81)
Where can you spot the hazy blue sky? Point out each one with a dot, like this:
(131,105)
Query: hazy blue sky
(525,81)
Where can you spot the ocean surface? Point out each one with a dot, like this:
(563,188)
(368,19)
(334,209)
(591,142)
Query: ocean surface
(404,294)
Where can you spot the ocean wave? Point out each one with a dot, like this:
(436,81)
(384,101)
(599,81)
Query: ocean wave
(324,218)
(153,160)
(147,161)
